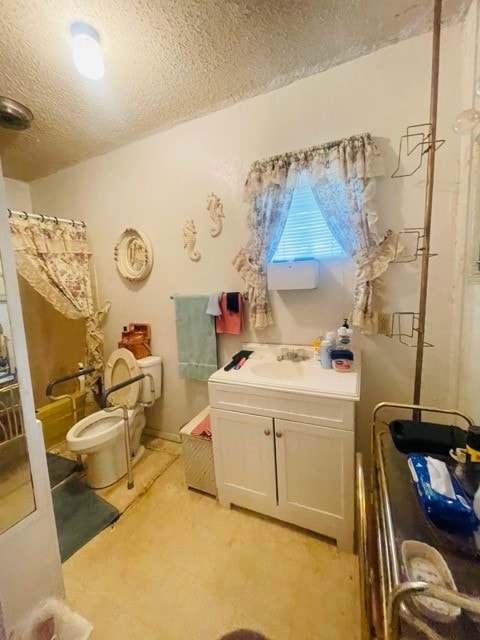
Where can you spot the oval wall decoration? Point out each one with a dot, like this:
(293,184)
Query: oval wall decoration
(134,255)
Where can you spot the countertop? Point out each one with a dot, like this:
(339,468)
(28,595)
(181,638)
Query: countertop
(304,377)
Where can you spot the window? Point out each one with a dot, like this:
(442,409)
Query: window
(306,234)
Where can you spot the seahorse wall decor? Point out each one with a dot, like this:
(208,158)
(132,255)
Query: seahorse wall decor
(189,240)
(215,211)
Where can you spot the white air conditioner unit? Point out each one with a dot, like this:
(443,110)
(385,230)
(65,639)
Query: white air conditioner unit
(292,275)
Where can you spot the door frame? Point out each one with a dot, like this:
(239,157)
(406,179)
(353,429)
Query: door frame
(29,554)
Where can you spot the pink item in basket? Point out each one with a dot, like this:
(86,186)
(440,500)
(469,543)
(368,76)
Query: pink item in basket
(203,428)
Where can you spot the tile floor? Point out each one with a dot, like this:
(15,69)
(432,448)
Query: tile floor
(158,456)
(177,566)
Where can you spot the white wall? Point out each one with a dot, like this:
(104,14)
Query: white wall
(467,291)
(17,197)
(157,183)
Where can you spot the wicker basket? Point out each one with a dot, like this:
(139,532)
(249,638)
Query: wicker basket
(137,340)
(139,349)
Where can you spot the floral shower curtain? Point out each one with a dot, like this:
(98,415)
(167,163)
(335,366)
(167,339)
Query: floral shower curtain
(53,258)
(342,176)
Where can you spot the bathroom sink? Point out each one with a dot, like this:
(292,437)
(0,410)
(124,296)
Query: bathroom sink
(283,370)
(263,371)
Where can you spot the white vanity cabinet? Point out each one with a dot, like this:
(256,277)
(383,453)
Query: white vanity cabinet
(315,471)
(297,472)
(284,453)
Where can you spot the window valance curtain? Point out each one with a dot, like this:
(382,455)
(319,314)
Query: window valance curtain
(54,258)
(342,176)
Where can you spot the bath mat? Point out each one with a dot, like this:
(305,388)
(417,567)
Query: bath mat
(80,515)
(59,468)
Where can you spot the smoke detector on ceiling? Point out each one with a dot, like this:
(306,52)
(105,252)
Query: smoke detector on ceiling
(14,115)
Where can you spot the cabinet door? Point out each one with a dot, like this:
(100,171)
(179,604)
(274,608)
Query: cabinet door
(244,455)
(315,478)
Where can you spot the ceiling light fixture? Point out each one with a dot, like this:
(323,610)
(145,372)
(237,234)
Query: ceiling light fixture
(87,52)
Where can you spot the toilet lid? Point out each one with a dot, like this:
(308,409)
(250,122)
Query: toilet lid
(121,366)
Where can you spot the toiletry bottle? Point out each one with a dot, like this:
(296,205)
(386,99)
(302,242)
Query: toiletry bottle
(344,338)
(326,354)
(81,379)
(316,351)
(332,336)
(473,446)
(472,463)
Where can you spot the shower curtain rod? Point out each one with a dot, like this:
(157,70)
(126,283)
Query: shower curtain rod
(42,218)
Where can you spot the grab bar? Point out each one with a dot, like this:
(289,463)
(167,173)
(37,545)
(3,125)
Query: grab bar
(70,376)
(126,425)
(116,387)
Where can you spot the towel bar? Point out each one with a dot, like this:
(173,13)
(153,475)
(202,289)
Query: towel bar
(244,296)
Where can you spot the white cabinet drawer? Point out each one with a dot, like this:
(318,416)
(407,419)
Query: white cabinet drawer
(309,409)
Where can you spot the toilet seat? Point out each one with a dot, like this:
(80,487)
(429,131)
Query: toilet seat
(96,429)
(121,366)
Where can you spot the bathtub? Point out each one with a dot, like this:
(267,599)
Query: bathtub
(57,417)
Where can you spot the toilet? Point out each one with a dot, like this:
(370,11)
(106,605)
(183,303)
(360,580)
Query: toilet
(100,436)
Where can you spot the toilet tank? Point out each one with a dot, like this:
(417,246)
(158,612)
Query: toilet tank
(153,366)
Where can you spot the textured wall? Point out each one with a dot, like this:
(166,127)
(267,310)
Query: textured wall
(156,183)
(18,197)
(172,60)
(466,345)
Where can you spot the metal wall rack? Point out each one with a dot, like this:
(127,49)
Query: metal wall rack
(390,514)
(405,328)
(421,141)
(410,245)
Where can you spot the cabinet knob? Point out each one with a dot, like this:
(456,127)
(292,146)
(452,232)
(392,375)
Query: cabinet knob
(278,434)
(267,432)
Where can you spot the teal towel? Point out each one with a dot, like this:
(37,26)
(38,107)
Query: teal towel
(196,339)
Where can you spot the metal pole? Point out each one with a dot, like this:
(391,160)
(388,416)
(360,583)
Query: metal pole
(39,216)
(128,448)
(437,16)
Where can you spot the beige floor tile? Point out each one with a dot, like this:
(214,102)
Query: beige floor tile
(159,444)
(177,566)
(61,449)
(152,464)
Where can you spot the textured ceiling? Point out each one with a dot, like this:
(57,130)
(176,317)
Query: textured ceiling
(170,60)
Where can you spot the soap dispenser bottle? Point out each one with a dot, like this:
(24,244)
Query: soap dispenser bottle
(344,340)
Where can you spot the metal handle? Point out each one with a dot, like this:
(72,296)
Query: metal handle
(267,432)
(116,387)
(362,548)
(71,376)
(278,434)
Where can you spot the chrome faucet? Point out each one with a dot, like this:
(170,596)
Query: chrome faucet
(293,355)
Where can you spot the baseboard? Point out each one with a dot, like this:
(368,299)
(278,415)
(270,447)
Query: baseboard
(173,437)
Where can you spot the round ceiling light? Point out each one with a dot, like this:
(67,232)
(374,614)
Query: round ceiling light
(87,52)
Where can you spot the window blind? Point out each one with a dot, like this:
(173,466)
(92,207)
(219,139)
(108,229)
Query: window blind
(306,234)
